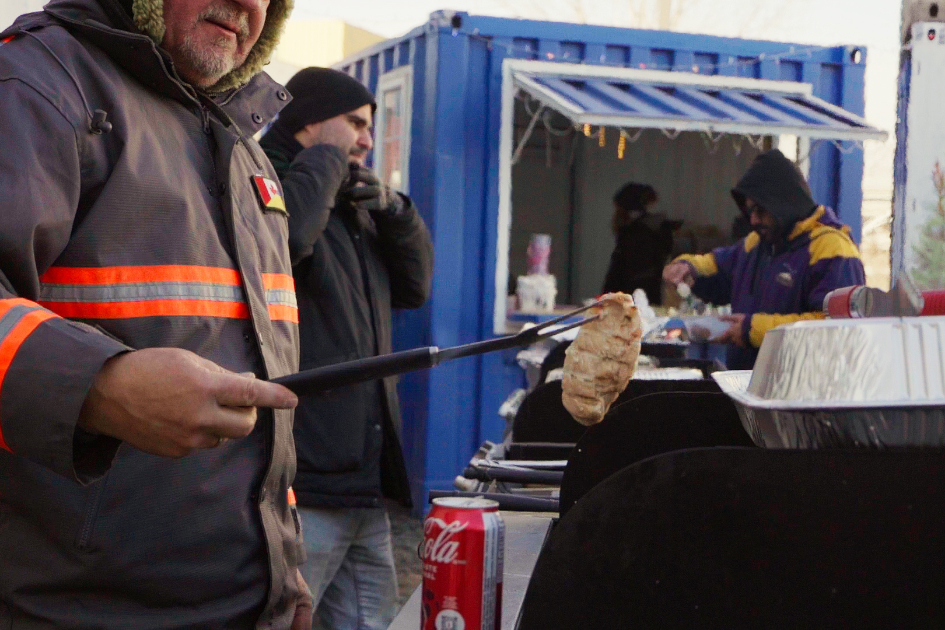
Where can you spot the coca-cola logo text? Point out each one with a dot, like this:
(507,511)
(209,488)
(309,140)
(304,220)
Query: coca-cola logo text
(443,548)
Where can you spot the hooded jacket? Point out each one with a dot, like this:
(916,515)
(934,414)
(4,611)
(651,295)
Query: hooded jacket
(350,268)
(147,231)
(786,280)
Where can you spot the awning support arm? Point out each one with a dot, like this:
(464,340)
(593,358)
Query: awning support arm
(517,155)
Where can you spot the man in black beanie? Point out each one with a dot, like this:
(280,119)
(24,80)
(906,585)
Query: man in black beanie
(358,249)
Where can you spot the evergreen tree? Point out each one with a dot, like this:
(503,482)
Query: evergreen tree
(929,268)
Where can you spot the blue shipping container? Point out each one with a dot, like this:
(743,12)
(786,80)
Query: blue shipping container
(449,73)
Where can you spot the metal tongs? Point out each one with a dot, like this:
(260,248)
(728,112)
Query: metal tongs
(360,370)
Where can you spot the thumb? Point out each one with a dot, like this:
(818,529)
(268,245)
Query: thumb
(237,390)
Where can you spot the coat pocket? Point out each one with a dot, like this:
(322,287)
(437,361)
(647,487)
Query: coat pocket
(93,503)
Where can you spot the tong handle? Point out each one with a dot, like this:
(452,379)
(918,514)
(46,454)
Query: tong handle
(351,372)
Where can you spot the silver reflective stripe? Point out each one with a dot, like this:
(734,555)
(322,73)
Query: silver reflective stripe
(103,293)
(281,297)
(12,317)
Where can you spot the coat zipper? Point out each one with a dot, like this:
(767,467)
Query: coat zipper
(205,116)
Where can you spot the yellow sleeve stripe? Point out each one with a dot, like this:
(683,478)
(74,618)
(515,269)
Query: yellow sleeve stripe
(827,242)
(761,323)
(704,264)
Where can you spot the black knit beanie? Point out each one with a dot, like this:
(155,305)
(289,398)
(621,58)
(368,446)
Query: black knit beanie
(319,94)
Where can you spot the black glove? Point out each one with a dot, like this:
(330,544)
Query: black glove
(366,191)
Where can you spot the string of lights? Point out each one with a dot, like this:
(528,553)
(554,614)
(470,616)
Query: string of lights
(529,51)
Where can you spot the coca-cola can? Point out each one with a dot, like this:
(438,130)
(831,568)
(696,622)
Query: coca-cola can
(462,552)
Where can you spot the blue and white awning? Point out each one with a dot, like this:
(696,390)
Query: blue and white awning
(681,101)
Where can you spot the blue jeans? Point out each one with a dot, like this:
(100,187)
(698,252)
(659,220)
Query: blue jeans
(349,567)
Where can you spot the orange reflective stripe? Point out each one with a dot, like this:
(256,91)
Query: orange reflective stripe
(6,305)
(291,496)
(148,308)
(12,342)
(278,281)
(132,275)
(281,313)
(285,312)
(161,290)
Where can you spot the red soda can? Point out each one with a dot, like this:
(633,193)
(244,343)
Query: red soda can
(462,553)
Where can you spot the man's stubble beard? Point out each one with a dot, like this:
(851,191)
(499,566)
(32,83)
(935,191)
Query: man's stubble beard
(357,156)
(214,61)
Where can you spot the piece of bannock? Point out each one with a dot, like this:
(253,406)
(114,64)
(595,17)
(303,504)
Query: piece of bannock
(601,360)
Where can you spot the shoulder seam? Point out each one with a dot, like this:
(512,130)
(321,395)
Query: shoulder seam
(46,98)
(76,137)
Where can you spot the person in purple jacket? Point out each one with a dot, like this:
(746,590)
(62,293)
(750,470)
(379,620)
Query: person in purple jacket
(780,273)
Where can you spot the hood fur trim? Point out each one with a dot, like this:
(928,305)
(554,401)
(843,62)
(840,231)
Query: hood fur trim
(149,17)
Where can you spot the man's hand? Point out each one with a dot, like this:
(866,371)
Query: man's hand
(678,273)
(366,191)
(171,402)
(304,607)
(734,334)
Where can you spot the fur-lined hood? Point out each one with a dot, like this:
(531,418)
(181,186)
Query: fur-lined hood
(149,18)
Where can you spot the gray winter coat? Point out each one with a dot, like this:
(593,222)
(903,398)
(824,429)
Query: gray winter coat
(150,233)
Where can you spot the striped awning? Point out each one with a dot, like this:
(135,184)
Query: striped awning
(681,101)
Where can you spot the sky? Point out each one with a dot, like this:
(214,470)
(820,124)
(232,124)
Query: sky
(870,23)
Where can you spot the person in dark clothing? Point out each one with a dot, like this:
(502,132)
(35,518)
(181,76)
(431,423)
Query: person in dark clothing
(644,243)
(358,250)
(780,273)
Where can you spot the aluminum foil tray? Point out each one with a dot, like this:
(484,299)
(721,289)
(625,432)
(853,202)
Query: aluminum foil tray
(845,383)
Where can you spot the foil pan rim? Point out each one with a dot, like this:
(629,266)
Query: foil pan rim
(727,382)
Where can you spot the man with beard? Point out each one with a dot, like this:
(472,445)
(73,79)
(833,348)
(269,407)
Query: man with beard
(780,273)
(145,296)
(358,249)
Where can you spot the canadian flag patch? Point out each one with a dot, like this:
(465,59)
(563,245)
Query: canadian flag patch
(269,193)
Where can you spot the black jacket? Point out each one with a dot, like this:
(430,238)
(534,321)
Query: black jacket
(347,439)
(642,249)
